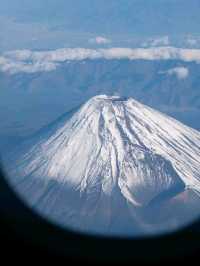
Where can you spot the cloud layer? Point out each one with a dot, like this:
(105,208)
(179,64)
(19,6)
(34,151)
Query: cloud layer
(191,41)
(100,40)
(179,72)
(159,41)
(37,61)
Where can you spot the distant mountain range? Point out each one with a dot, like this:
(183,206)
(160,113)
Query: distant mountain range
(30,101)
(113,166)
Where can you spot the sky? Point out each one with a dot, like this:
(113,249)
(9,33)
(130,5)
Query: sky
(108,16)
(71,23)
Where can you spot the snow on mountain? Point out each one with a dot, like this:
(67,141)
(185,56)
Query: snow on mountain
(100,168)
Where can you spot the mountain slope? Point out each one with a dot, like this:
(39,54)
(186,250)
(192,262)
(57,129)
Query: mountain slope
(106,166)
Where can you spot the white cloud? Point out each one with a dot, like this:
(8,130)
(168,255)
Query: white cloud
(159,41)
(13,67)
(100,40)
(191,41)
(179,72)
(37,61)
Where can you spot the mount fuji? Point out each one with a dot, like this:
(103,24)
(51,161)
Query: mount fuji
(114,167)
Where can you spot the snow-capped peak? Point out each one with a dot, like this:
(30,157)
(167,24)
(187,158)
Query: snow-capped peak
(111,146)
